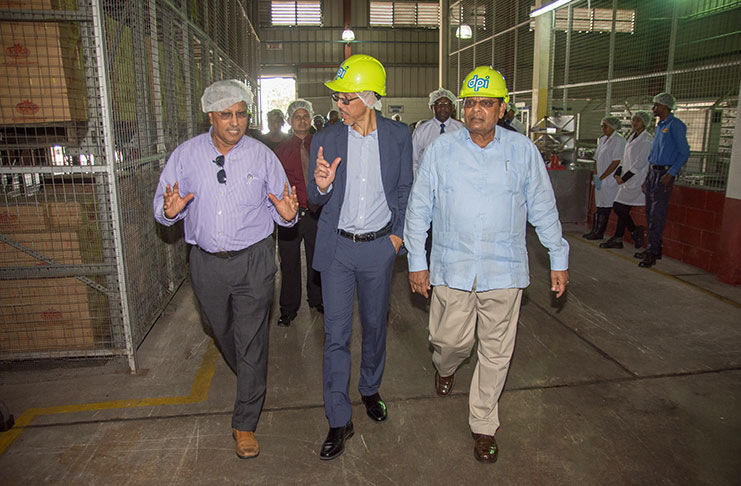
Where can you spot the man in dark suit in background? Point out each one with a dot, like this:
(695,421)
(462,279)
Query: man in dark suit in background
(361,173)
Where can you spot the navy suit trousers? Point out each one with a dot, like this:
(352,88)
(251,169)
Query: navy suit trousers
(367,267)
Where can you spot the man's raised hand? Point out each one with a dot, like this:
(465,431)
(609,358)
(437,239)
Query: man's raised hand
(324,172)
(173,202)
(288,205)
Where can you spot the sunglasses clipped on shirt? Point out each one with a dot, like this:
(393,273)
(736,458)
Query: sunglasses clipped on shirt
(221,175)
(345,101)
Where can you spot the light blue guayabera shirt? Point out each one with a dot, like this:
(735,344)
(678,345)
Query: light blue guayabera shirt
(364,208)
(479,200)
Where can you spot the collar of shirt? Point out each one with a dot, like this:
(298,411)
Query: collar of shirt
(298,140)
(490,145)
(359,136)
(666,120)
(211,142)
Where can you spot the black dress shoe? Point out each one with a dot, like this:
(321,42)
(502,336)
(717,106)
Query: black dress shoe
(642,254)
(648,261)
(613,242)
(375,407)
(334,444)
(319,308)
(285,319)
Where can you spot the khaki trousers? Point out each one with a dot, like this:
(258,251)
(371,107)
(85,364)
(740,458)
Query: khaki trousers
(453,328)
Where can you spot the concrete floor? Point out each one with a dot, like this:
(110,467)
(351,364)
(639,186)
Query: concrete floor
(635,378)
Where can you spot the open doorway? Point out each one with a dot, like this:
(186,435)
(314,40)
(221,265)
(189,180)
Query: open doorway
(276,92)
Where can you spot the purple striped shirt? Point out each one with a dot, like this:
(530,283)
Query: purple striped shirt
(223,217)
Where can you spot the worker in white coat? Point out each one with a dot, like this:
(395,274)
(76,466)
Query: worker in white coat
(441,104)
(630,176)
(607,157)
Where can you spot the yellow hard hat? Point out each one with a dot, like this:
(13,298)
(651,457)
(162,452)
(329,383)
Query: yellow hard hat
(359,73)
(486,82)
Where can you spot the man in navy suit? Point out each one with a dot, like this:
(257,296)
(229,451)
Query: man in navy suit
(361,173)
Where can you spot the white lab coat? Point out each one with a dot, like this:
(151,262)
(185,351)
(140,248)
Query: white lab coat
(425,133)
(608,149)
(635,160)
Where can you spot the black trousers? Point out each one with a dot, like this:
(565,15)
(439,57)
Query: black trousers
(289,247)
(234,296)
(624,219)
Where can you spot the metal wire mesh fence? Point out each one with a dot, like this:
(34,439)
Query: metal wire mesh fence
(612,57)
(98,93)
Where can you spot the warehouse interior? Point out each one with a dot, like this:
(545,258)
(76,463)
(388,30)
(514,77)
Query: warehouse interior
(109,374)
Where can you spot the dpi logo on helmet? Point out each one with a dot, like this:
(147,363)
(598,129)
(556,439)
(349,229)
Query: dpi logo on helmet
(476,82)
(341,73)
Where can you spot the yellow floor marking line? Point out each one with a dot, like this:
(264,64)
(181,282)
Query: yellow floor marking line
(198,393)
(656,270)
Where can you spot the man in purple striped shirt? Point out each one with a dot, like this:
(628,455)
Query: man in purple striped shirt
(229,182)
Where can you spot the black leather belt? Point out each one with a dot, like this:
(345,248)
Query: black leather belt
(302,212)
(224,254)
(660,167)
(363,237)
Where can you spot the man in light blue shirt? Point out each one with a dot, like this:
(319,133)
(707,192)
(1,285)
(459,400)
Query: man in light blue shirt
(669,152)
(479,187)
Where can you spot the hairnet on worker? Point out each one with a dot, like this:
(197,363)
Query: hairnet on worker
(300,105)
(644,116)
(441,93)
(666,99)
(612,122)
(223,94)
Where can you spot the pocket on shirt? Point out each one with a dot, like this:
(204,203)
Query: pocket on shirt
(250,189)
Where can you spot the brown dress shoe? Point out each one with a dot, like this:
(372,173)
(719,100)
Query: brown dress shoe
(444,384)
(247,447)
(485,448)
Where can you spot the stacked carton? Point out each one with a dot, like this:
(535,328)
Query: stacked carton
(42,69)
(49,314)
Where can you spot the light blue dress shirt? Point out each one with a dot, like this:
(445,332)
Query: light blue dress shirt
(364,208)
(479,201)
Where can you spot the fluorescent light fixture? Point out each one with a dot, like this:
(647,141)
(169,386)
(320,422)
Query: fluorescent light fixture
(464,32)
(549,7)
(348,35)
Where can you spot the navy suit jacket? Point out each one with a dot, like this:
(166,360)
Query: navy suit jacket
(395,150)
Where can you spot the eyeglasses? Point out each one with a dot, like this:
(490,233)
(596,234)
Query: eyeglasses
(443,103)
(344,101)
(221,175)
(485,103)
(227,115)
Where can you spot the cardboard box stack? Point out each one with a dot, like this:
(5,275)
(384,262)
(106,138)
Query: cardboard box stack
(50,314)
(42,69)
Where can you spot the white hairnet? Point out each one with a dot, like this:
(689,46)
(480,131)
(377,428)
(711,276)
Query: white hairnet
(441,93)
(643,115)
(300,105)
(511,106)
(223,94)
(666,99)
(611,121)
(370,99)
